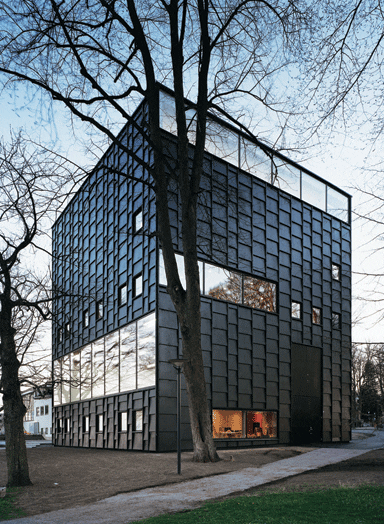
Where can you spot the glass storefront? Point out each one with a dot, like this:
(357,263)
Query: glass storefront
(227,423)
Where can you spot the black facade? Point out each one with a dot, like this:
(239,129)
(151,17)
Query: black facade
(276,346)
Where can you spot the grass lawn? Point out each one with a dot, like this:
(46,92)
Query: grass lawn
(8,507)
(361,505)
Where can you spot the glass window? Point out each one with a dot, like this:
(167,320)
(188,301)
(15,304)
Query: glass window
(180,267)
(222,142)
(46,431)
(138,420)
(287,178)
(336,272)
(37,412)
(335,320)
(259,294)
(227,423)
(67,425)
(60,334)
(59,425)
(98,368)
(138,220)
(112,363)
(85,318)
(123,421)
(223,284)
(86,372)
(99,423)
(66,380)
(75,376)
(99,309)
(128,357)
(337,204)
(316,315)
(46,409)
(146,352)
(254,160)
(296,310)
(57,383)
(67,329)
(86,424)
(261,424)
(122,299)
(167,112)
(137,285)
(313,191)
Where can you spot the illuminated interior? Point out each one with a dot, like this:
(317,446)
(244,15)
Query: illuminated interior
(228,423)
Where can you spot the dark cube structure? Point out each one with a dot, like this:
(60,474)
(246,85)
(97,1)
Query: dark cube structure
(275,244)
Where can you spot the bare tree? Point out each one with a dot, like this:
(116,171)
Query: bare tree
(97,56)
(31,183)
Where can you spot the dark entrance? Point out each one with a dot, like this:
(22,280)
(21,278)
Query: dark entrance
(306,413)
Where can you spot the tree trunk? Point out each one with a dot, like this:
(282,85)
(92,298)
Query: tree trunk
(14,411)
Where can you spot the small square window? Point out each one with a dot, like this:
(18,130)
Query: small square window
(85,423)
(138,420)
(296,310)
(123,421)
(99,309)
(336,272)
(335,320)
(99,423)
(122,295)
(138,285)
(86,318)
(316,315)
(138,220)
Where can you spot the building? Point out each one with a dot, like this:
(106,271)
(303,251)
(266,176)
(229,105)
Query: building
(38,418)
(275,245)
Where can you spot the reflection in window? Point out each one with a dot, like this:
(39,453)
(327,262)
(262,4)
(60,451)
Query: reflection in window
(313,191)
(57,384)
(180,268)
(99,309)
(335,320)
(138,285)
(122,298)
(98,368)
(228,423)
(146,352)
(128,357)
(288,178)
(137,220)
(112,363)
(223,284)
(75,376)
(123,421)
(336,272)
(85,318)
(66,380)
(222,142)
(86,424)
(259,294)
(296,310)
(337,204)
(138,420)
(167,112)
(99,423)
(316,315)
(86,372)
(254,160)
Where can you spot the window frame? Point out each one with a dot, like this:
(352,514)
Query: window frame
(123,422)
(316,309)
(336,320)
(86,318)
(99,422)
(336,272)
(135,421)
(299,316)
(99,309)
(122,295)
(137,278)
(136,214)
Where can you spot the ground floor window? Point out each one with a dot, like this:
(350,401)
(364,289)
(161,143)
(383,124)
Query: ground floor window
(227,423)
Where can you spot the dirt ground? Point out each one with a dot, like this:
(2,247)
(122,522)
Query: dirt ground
(69,477)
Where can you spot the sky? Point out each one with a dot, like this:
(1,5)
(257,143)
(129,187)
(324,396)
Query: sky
(339,161)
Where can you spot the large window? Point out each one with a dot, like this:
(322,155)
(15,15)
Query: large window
(232,286)
(123,360)
(228,423)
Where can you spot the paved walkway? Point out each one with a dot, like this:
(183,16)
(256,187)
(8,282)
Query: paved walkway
(132,506)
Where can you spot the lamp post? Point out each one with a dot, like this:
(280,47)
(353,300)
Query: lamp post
(178,364)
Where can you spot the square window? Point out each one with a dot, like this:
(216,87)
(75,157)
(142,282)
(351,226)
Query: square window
(336,272)
(85,423)
(138,420)
(296,310)
(138,220)
(316,315)
(99,423)
(335,320)
(122,295)
(138,285)
(123,421)
(85,318)
(99,309)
